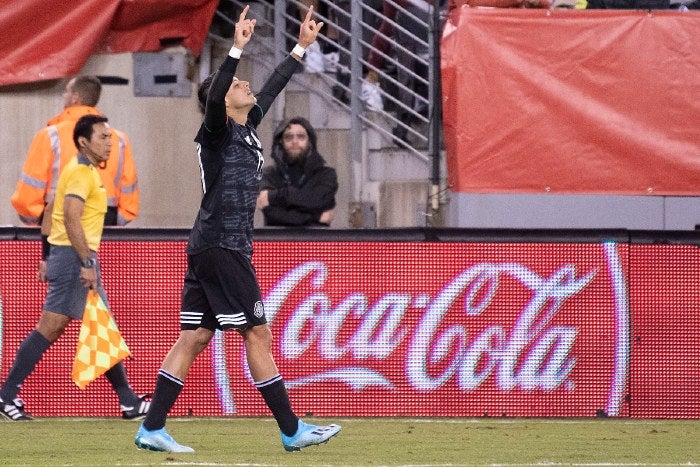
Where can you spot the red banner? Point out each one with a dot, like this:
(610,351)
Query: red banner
(364,329)
(559,101)
(46,40)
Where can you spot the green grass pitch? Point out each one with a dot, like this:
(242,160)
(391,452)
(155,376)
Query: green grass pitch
(237,441)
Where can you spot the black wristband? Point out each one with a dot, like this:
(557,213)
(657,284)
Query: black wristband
(45,247)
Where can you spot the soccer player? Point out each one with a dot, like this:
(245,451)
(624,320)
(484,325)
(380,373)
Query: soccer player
(76,230)
(221,290)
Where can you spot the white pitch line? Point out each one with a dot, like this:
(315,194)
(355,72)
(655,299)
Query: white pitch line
(215,464)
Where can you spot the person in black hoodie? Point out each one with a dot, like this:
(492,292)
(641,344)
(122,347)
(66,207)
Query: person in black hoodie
(299,190)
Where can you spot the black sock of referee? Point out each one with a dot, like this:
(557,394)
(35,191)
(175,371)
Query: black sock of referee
(117,378)
(168,388)
(275,394)
(29,353)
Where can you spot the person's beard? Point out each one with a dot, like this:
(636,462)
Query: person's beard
(293,160)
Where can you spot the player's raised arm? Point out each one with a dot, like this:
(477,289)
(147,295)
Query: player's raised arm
(212,92)
(243,29)
(308,32)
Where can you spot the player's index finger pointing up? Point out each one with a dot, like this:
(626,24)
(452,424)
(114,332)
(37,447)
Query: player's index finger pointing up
(309,12)
(244,13)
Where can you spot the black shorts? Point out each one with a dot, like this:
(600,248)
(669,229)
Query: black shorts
(220,292)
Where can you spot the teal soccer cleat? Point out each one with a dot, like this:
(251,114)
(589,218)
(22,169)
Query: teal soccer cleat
(309,435)
(158,440)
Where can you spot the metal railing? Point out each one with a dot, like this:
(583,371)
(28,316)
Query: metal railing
(406,90)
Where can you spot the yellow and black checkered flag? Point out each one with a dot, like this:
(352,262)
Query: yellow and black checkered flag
(100,344)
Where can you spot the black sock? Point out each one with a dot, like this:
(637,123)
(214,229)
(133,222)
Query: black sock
(275,394)
(117,378)
(168,388)
(28,355)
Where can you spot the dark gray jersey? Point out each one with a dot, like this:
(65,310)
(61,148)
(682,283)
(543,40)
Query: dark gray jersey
(231,159)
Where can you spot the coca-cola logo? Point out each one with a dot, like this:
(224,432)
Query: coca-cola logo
(444,339)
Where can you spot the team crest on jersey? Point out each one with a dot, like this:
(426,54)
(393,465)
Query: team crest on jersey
(259,310)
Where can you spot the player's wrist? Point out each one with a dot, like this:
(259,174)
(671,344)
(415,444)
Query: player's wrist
(299,50)
(235,52)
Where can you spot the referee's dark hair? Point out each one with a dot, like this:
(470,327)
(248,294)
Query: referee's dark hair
(84,127)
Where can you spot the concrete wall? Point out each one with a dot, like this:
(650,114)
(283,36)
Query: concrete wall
(573,211)
(161,130)
(396,184)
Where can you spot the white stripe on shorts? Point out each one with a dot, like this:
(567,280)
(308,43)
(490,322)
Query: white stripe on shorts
(191,317)
(235,319)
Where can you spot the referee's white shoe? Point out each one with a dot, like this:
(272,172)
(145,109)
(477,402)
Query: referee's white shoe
(14,410)
(138,410)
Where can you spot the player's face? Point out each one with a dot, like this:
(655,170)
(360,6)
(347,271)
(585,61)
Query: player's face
(239,95)
(295,141)
(100,144)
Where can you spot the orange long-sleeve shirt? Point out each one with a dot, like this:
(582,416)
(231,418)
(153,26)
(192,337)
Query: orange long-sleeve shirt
(52,148)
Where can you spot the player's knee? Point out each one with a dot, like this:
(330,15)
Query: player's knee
(195,341)
(260,336)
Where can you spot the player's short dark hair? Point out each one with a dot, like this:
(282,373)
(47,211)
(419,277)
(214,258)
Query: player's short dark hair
(203,92)
(88,88)
(84,127)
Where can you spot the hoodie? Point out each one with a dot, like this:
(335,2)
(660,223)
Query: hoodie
(298,194)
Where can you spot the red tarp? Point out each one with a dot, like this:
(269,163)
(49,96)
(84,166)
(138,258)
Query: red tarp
(572,101)
(46,40)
